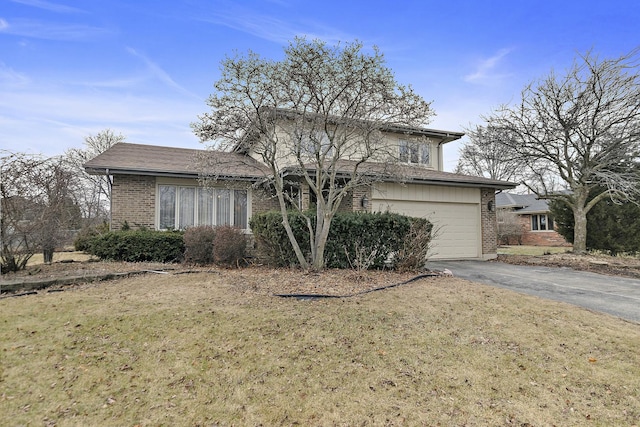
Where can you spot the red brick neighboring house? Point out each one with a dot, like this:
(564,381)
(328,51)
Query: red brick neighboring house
(537,227)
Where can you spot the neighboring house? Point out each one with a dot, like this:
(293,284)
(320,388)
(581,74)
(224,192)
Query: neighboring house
(536,226)
(157,187)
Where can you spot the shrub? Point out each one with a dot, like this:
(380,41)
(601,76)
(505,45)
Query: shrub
(138,245)
(272,244)
(361,240)
(416,246)
(229,246)
(357,240)
(198,243)
(85,236)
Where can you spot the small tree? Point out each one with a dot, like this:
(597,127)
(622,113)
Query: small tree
(509,227)
(94,191)
(38,206)
(318,115)
(582,129)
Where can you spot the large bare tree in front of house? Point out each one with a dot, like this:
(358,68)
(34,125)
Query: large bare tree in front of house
(484,154)
(582,128)
(318,115)
(94,191)
(38,207)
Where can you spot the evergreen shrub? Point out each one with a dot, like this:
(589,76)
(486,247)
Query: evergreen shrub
(357,240)
(138,246)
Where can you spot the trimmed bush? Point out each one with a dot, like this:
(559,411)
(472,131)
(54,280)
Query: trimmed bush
(198,243)
(138,245)
(272,243)
(229,246)
(357,240)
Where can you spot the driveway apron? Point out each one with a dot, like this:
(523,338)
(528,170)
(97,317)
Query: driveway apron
(617,296)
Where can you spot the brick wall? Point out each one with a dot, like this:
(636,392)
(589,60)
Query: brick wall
(133,199)
(263,202)
(488,223)
(539,238)
(356,199)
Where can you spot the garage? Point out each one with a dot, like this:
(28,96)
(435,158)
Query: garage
(455,213)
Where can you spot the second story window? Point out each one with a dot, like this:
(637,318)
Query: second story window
(414,152)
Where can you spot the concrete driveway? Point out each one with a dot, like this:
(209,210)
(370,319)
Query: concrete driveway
(613,295)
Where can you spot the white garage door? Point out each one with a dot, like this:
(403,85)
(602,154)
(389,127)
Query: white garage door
(457,224)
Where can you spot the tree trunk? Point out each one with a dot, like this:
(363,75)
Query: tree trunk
(322,234)
(579,230)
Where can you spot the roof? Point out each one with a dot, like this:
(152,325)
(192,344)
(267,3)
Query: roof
(421,175)
(522,203)
(139,159)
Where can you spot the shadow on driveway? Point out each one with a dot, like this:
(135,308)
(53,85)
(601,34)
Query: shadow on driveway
(618,296)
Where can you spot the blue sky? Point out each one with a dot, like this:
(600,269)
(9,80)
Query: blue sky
(144,68)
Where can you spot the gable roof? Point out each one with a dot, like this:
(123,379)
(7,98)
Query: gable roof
(522,203)
(138,159)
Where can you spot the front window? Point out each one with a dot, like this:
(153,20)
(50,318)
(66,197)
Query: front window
(541,223)
(414,153)
(186,206)
(316,143)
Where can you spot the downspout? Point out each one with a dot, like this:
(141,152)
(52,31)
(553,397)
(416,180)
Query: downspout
(106,172)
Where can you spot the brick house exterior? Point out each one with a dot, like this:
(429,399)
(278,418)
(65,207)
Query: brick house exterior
(536,225)
(146,179)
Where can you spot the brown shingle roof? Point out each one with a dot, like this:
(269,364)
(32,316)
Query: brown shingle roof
(420,175)
(138,159)
(125,158)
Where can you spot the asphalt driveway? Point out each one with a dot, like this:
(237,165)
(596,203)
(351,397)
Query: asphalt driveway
(613,295)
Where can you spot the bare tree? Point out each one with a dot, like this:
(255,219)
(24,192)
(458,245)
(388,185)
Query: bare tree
(38,207)
(484,154)
(317,115)
(94,191)
(509,227)
(583,129)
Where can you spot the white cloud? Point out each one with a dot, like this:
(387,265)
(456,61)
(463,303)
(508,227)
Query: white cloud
(11,78)
(270,28)
(161,75)
(54,7)
(485,70)
(39,30)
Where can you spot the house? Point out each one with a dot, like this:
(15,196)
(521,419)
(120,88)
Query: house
(158,187)
(533,222)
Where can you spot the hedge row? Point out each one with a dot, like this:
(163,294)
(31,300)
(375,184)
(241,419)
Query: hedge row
(356,240)
(137,246)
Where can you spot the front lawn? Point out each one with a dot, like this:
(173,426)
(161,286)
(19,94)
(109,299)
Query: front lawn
(214,349)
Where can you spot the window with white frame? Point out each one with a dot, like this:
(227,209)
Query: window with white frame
(541,223)
(180,207)
(413,152)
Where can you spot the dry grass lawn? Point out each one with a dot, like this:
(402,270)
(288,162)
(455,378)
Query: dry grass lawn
(216,349)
